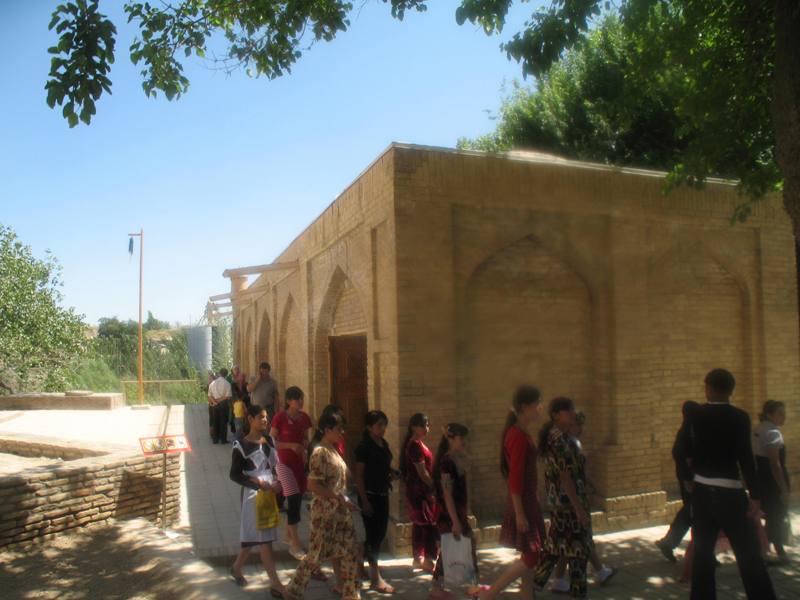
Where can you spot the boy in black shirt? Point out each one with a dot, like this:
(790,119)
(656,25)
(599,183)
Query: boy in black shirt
(719,451)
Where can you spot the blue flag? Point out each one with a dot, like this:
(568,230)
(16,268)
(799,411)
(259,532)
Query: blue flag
(130,246)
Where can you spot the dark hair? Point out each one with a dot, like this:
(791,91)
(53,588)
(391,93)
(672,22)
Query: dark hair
(557,405)
(330,409)
(416,420)
(524,396)
(254,411)
(452,430)
(265,365)
(223,372)
(689,408)
(770,406)
(292,393)
(330,420)
(371,418)
(721,382)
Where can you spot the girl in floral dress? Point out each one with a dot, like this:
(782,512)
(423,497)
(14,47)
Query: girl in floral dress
(332,534)
(570,533)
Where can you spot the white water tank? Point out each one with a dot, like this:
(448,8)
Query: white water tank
(200,348)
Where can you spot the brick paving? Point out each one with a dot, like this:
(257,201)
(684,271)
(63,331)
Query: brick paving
(211,514)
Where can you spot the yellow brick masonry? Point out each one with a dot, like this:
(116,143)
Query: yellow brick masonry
(471,273)
(89,489)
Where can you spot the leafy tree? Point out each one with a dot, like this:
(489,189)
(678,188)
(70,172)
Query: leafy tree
(38,338)
(153,324)
(740,60)
(588,106)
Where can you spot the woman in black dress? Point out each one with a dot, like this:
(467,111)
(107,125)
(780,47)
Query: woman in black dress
(373,482)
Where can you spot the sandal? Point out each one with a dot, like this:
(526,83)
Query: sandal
(297,554)
(382,588)
(239,579)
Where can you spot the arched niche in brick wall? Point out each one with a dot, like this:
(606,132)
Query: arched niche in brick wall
(341,313)
(527,319)
(698,319)
(291,360)
(264,337)
(247,347)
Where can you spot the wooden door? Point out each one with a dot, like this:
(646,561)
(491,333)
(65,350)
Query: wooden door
(348,355)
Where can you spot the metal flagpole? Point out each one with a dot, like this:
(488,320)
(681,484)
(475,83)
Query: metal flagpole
(140,361)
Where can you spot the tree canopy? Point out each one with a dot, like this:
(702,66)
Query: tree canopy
(38,337)
(611,98)
(733,65)
(589,105)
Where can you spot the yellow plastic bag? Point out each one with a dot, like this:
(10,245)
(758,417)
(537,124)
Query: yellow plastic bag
(266,510)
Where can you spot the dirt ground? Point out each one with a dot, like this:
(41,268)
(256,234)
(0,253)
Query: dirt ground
(88,564)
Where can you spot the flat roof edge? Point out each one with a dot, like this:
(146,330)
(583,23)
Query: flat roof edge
(550,159)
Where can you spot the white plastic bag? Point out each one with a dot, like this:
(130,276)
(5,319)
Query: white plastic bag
(457,561)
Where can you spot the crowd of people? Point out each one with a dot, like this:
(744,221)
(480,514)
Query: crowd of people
(279,456)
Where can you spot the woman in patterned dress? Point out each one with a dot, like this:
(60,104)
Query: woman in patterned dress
(332,533)
(523,527)
(570,534)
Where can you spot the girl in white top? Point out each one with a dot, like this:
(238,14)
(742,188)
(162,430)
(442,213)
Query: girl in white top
(252,466)
(773,479)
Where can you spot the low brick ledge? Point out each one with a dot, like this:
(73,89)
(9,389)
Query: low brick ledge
(91,487)
(62,401)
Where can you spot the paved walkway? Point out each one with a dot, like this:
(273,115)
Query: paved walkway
(212,516)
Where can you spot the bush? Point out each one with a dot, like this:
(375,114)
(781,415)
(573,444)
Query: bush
(93,373)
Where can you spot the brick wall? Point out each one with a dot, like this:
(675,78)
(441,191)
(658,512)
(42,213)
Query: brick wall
(589,282)
(472,273)
(42,502)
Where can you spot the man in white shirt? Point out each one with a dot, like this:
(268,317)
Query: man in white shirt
(219,393)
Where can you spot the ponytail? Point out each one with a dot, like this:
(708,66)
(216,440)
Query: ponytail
(452,430)
(524,396)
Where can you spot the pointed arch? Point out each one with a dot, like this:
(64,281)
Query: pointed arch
(341,313)
(264,339)
(551,347)
(248,346)
(698,319)
(291,346)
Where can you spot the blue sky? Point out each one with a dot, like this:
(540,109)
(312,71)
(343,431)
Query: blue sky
(229,174)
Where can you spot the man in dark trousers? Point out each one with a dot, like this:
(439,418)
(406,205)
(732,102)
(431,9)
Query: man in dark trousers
(682,522)
(720,455)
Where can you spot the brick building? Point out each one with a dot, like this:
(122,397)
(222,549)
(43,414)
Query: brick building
(440,280)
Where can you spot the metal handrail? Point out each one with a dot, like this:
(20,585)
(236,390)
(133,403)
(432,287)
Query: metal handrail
(160,383)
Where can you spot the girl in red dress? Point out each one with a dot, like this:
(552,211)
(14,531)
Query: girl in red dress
(290,430)
(417,467)
(523,526)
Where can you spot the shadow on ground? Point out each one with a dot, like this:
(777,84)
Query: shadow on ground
(88,564)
